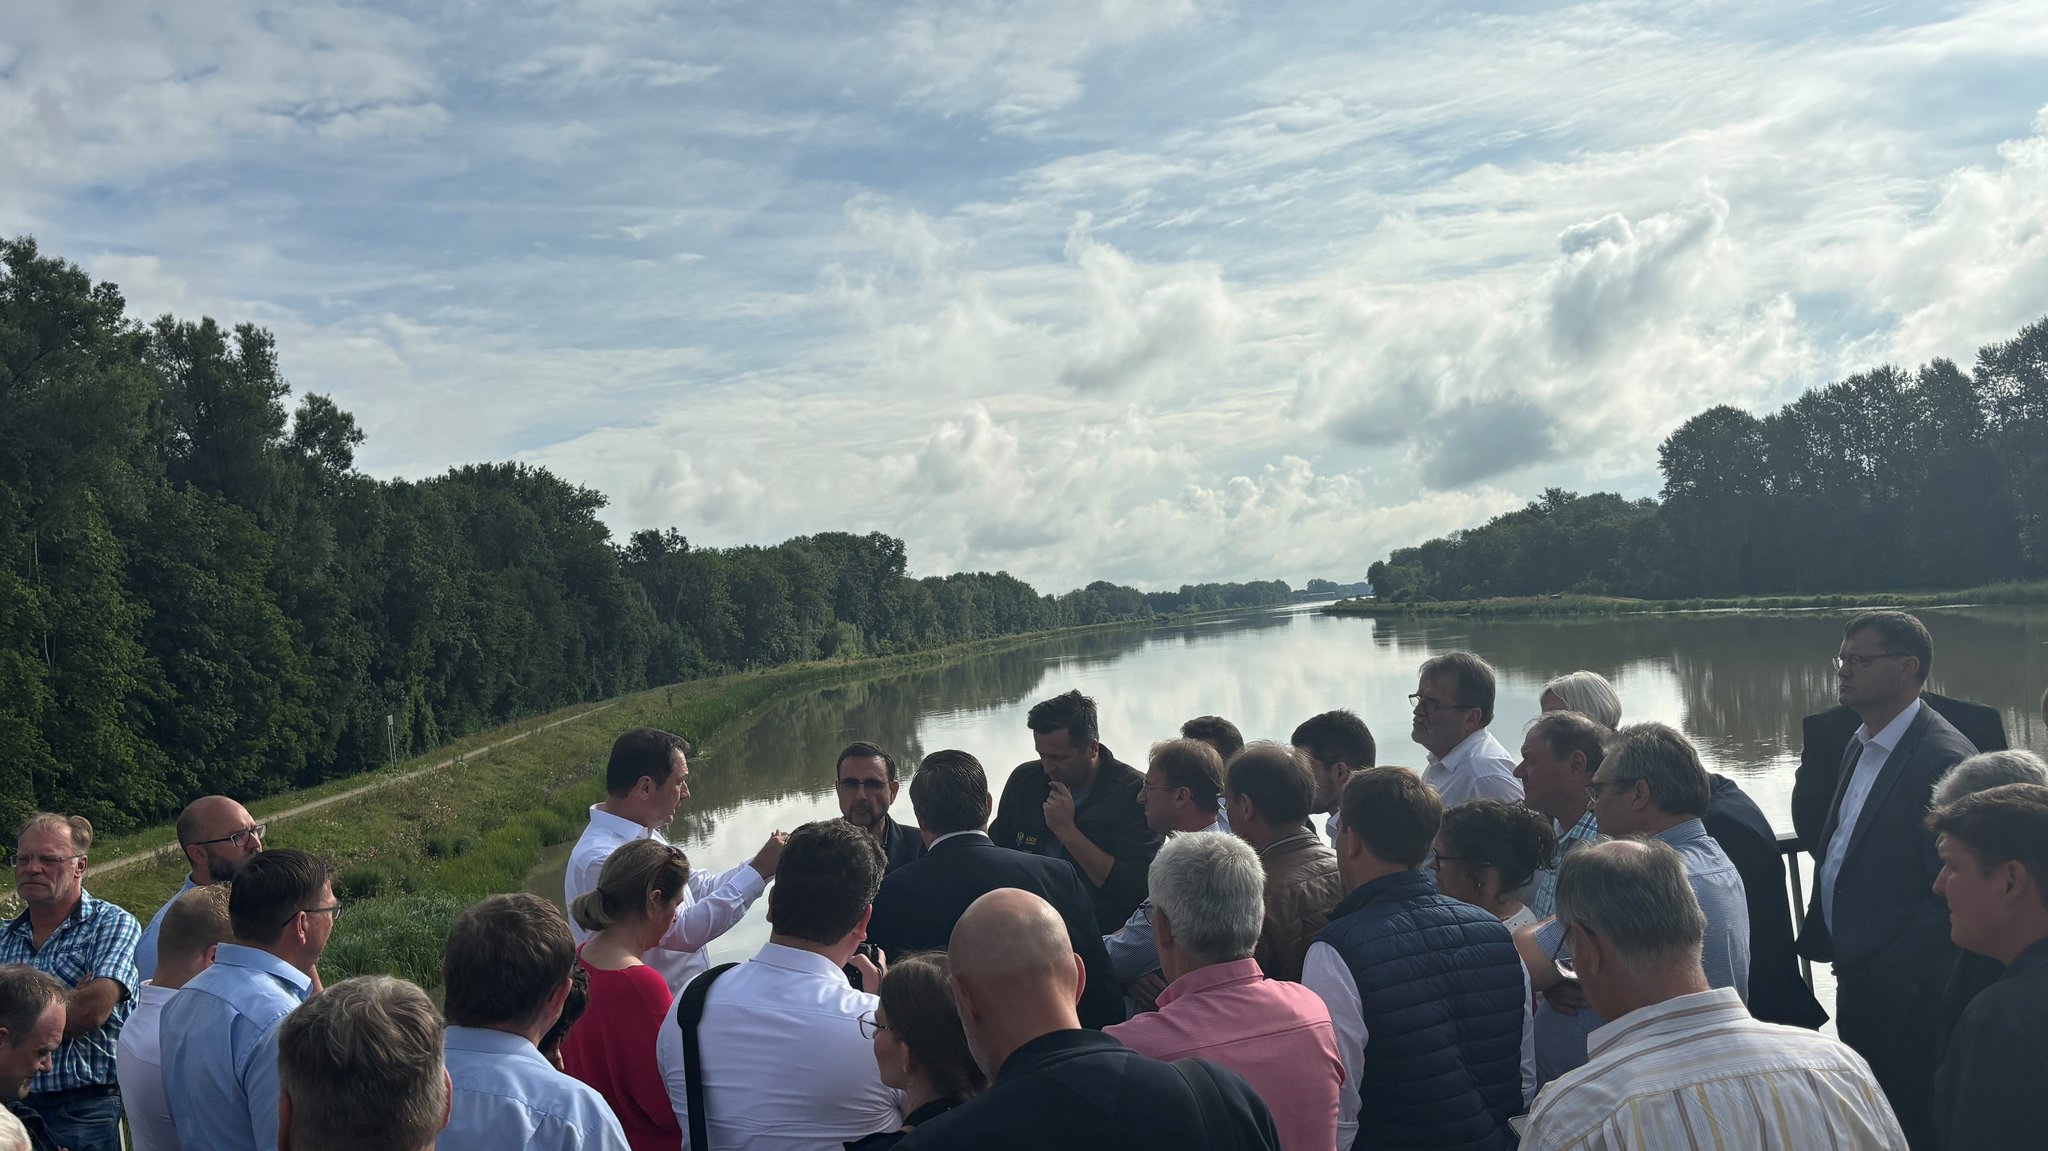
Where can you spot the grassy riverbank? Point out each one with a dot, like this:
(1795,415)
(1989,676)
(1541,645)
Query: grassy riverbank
(1538,607)
(430,836)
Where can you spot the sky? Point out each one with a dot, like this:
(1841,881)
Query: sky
(1155,291)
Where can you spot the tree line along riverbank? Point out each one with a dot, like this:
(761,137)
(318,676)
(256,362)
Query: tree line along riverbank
(414,844)
(1568,605)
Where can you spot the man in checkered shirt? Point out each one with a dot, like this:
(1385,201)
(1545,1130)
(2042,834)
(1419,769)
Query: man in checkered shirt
(88,944)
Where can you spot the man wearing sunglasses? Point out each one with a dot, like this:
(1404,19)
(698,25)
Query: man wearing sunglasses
(216,834)
(867,788)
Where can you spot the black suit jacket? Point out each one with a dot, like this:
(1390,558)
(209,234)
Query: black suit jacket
(1884,895)
(1777,992)
(920,902)
(1825,739)
(1080,1091)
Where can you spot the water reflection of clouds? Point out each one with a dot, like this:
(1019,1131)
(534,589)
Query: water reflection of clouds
(1737,684)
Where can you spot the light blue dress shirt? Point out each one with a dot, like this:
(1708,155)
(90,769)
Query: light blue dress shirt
(220,1049)
(145,951)
(508,1097)
(1724,953)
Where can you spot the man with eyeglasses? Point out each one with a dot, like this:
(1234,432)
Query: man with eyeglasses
(216,834)
(88,944)
(1650,785)
(1453,704)
(1874,912)
(867,789)
(220,1031)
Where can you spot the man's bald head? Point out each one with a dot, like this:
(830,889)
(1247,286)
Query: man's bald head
(1011,934)
(1015,974)
(217,834)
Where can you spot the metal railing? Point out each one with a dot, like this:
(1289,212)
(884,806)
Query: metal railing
(1792,847)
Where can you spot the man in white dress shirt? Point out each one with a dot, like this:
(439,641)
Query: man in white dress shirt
(647,778)
(1453,706)
(507,974)
(784,1064)
(190,928)
(1684,1066)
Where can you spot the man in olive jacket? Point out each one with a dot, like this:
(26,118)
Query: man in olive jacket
(1077,802)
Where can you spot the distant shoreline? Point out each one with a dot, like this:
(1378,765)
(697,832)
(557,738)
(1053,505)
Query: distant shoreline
(1570,605)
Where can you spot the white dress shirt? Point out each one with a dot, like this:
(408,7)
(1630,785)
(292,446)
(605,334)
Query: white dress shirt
(139,1066)
(1324,972)
(508,1097)
(712,902)
(1478,768)
(1697,1072)
(1877,749)
(785,1065)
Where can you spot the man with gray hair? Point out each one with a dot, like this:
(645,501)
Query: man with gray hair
(1986,770)
(1683,1065)
(359,1069)
(1650,785)
(1208,909)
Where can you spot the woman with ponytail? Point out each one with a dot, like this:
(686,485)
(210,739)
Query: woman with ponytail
(920,1046)
(612,1046)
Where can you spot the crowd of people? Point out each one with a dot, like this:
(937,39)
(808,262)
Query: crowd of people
(1264,945)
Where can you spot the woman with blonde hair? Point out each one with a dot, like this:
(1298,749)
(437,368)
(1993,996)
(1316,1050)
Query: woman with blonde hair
(612,1046)
(920,1045)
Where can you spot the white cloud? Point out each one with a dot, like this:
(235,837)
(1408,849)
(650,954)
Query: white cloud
(1344,276)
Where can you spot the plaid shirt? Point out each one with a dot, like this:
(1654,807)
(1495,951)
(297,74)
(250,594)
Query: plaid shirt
(97,941)
(1541,895)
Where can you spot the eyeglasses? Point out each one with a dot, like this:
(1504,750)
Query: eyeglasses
(238,838)
(1598,787)
(875,785)
(870,1026)
(1437,863)
(1854,662)
(1561,955)
(333,909)
(1428,706)
(22,861)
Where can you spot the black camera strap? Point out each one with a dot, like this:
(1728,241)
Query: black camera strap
(689,1013)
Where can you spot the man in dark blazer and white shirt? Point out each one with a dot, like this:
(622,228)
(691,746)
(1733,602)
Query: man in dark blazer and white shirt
(921,901)
(1874,910)
(1825,736)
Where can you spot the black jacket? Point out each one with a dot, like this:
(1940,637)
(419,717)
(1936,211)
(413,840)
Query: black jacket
(1825,741)
(1777,992)
(38,1135)
(920,902)
(1988,1095)
(1884,896)
(901,844)
(1081,1091)
(1112,817)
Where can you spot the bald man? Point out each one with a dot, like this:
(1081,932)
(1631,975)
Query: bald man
(216,834)
(1051,1084)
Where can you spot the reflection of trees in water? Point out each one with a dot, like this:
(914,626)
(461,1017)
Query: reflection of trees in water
(1746,680)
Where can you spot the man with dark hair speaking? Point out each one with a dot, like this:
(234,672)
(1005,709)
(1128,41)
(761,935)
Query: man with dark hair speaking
(867,788)
(645,781)
(1078,802)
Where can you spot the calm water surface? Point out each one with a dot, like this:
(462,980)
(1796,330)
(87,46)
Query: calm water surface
(1738,684)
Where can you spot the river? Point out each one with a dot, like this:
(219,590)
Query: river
(1736,683)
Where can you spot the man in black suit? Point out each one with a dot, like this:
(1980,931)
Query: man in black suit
(1777,992)
(920,902)
(1874,911)
(1825,736)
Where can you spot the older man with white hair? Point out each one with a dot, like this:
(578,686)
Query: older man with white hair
(1208,908)
(1684,1065)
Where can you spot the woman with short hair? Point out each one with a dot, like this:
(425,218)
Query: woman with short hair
(1487,851)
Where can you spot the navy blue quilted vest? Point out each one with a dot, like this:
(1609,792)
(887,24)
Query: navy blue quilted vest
(1441,986)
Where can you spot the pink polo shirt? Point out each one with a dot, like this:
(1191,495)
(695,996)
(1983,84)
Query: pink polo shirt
(1277,1035)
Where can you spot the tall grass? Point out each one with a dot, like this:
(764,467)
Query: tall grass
(1540,607)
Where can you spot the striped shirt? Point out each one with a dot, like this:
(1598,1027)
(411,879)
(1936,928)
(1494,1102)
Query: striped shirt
(96,941)
(1697,1072)
(1541,894)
